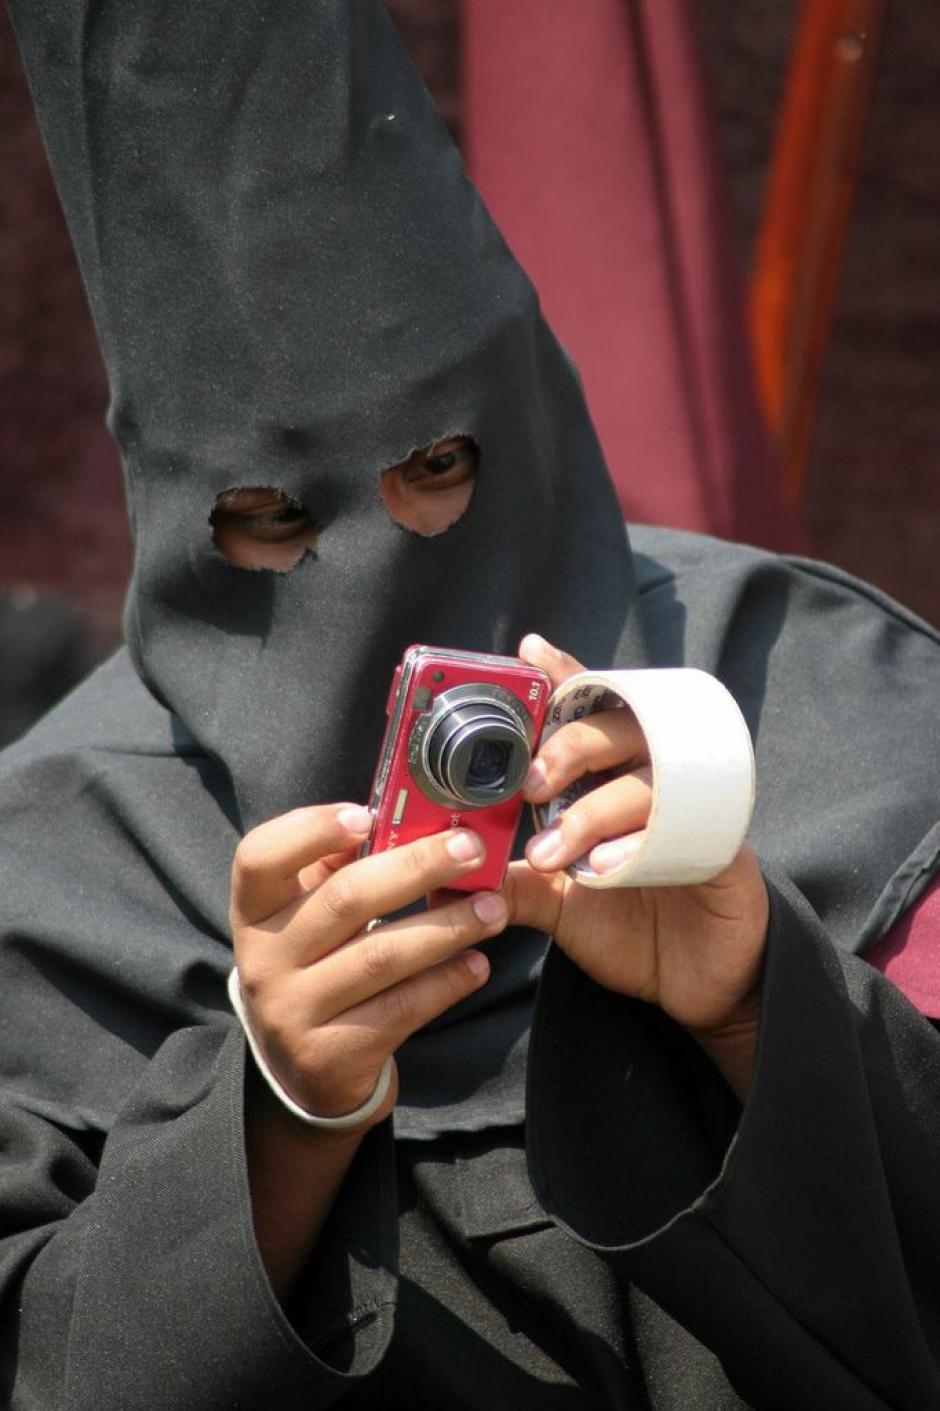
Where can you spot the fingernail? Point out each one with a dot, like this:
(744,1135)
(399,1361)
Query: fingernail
(536,779)
(489,908)
(355,819)
(476,963)
(537,645)
(545,847)
(606,856)
(464,846)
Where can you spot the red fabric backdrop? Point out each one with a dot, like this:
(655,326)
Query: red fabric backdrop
(589,133)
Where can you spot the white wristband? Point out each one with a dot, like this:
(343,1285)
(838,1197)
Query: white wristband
(702,772)
(330,1124)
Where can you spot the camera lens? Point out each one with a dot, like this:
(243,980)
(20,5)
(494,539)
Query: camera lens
(487,767)
(477,753)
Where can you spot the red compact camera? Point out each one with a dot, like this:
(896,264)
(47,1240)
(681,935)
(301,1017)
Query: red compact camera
(462,729)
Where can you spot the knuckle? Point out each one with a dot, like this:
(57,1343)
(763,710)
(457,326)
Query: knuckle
(340,896)
(278,1038)
(460,928)
(251,857)
(398,1007)
(377,954)
(457,926)
(454,980)
(425,858)
(510,890)
(622,738)
(250,977)
(627,797)
(575,824)
(581,733)
(565,750)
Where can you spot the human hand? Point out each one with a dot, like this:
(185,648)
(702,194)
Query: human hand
(695,951)
(327,1000)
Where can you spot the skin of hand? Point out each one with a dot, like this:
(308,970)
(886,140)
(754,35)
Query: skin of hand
(329,1000)
(695,951)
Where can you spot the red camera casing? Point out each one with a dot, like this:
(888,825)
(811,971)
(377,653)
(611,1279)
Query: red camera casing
(462,728)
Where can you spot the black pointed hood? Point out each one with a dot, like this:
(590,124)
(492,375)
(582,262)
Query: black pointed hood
(295,285)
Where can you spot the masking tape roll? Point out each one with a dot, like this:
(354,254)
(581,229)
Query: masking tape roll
(702,764)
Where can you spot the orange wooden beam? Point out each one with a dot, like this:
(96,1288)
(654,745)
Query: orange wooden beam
(806,211)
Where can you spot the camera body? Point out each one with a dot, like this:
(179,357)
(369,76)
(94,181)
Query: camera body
(462,729)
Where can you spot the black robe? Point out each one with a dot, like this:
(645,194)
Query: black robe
(642,1242)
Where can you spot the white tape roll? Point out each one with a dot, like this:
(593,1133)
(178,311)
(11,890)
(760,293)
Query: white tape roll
(702,772)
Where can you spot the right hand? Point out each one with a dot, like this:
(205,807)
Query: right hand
(327,1000)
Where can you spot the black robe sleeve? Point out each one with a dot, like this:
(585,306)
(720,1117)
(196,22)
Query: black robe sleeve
(138,1284)
(799,1239)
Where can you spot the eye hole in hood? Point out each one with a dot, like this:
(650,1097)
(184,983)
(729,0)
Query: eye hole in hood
(259,526)
(432,489)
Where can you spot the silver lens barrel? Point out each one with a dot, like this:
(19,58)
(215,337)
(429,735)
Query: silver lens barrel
(478,755)
(473,748)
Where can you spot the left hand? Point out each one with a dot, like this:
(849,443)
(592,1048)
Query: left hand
(695,951)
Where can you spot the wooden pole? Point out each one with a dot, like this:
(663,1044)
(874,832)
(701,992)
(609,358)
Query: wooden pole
(806,211)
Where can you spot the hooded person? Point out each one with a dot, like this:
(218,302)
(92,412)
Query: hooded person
(297,293)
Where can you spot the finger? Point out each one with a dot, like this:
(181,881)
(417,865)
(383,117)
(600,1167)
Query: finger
(609,811)
(556,664)
(269,858)
(386,955)
(316,874)
(606,856)
(362,1038)
(372,887)
(534,898)
(604,741)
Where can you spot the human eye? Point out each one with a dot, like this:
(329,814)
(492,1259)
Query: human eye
(444,464)
(266,515)
(275,525)
(444,461)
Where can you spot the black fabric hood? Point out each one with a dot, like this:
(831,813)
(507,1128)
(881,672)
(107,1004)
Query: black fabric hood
(295,285)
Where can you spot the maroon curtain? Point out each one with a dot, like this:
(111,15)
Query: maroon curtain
(586,126)
(63,527)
